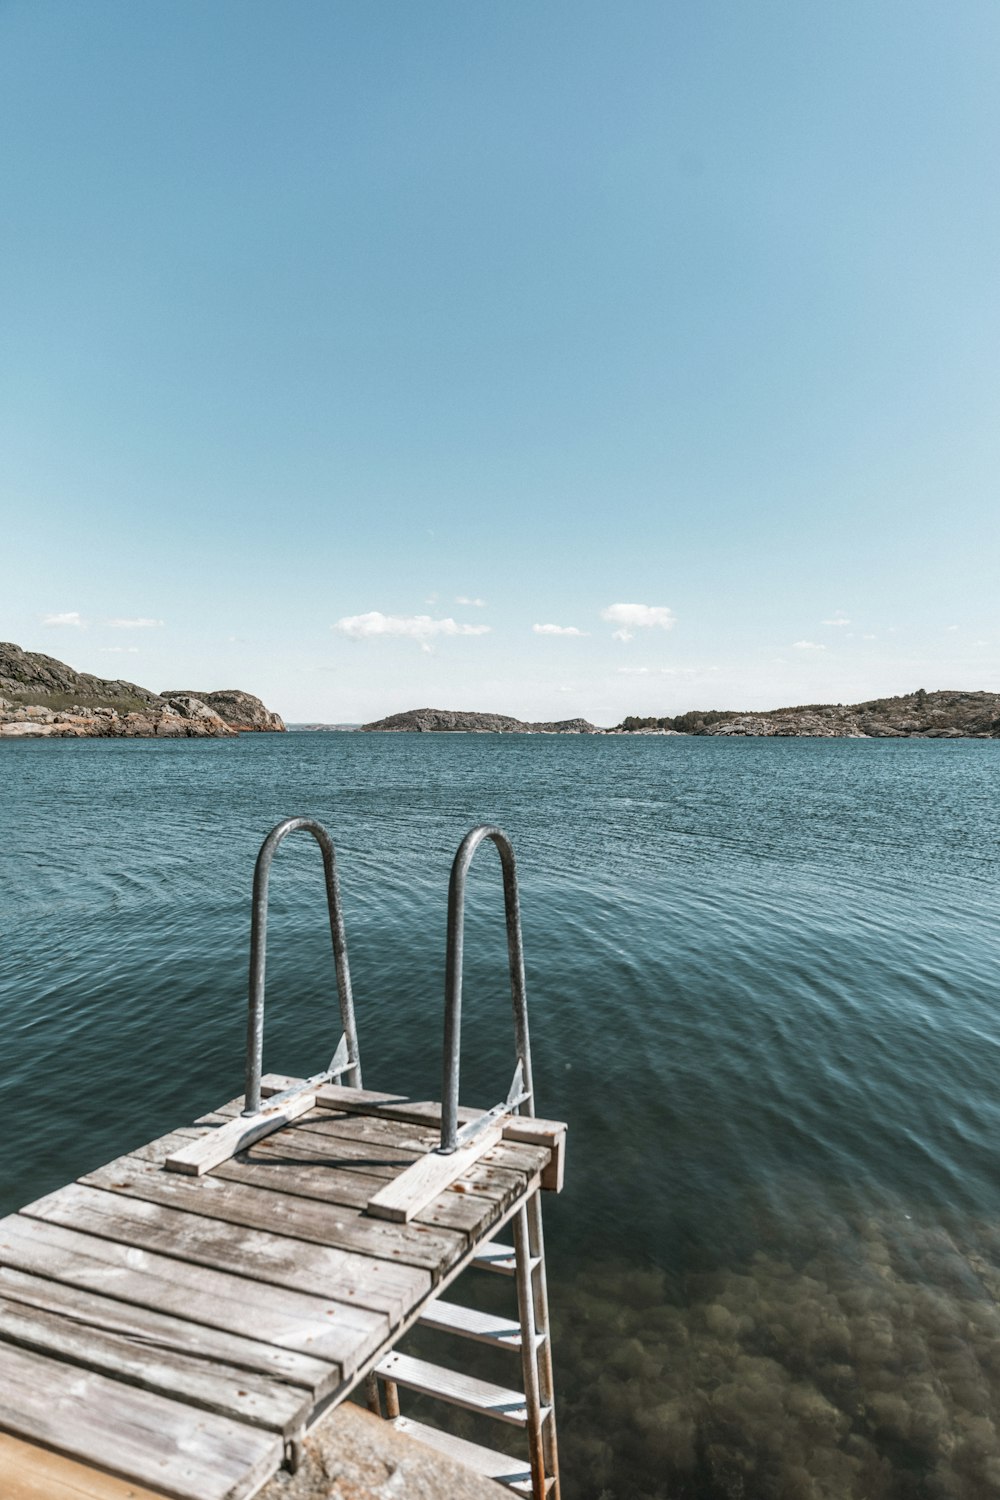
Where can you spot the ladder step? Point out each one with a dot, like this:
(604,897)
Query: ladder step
(500,1258)
(485,1328)
(486,1461)
(461,1390)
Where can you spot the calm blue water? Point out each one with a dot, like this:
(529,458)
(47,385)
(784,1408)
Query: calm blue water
(764,980)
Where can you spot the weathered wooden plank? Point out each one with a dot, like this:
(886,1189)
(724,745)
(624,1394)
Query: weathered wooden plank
(455,1387)
(466,1216)
(332,1226)
(206,1293)
(309,1167)
(395,1139)
(185,1453)
(517,1128)
(503,1169)
(267,1257)
(215,1146)
(427,1178)
(207,1384)
(33,1473)
(486,1461)
(159,1330)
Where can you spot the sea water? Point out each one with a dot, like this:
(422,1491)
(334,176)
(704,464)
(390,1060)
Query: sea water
(764,986)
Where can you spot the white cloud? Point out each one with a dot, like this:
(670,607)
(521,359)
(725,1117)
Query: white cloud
(475,603)
(838,619)
(869,637)
(557,630)
(142,622)
(128,650)
(417,627)
(632,617)
(952,627)
(71,617)
(807,646)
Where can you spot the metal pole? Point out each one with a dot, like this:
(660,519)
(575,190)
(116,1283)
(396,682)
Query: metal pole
(453,975)
(258,954)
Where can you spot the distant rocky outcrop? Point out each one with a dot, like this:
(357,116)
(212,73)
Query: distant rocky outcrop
(242,711)
(460,721)
(41,697)
(939,715)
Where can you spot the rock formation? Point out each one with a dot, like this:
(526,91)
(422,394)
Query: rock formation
(444,721)
(41,697)
(922,715)
(242,711)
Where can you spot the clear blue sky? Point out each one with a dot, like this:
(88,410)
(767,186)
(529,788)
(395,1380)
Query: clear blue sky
(318,318)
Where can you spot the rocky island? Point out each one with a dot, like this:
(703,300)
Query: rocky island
(41,697)
(940,715)
(460,721)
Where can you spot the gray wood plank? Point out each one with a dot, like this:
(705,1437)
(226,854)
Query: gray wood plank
(529,1129)
(390,1143)
(171,1447)
(312,1167)
(203,1289)
(162,1331)
(397,1139)
(332,1226)
(363,1285)
(204,1383)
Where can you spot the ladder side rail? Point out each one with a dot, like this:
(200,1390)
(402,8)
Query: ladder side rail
(540,1297)
(453,976)
(258,954)
(529,1361)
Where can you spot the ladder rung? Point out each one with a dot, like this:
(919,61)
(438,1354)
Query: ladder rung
(486,1328)
(500,1258)
(461,1390)
(486,1461)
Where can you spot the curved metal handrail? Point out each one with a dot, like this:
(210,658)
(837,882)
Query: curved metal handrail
(521,1090)
(258,956)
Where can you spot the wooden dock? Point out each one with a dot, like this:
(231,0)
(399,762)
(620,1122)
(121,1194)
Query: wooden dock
(173,1335)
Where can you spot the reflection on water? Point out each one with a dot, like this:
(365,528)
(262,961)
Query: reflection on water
(854,1356)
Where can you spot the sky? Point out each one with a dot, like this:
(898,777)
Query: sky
(524,356)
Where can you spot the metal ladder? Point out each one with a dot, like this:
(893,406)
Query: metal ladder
(533,1409)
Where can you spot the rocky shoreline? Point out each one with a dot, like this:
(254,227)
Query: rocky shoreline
(42,698)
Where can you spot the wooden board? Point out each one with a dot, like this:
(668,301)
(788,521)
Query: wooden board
(396,1140)
(334,1228)
(33,1473)
(427,1178)
(359,1143)
(201,1289)
(207,1384)
(215,1146)
(310,1167)
(364,1285)
(452,1386)
(136,1434)
(518,1128)
(158,1330)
